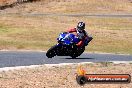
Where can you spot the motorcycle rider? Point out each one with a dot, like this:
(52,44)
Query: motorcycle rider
(82,35)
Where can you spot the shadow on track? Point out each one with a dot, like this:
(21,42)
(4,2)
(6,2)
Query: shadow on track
(78,58)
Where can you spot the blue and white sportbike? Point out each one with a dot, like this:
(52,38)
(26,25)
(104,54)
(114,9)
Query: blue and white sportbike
(67,46)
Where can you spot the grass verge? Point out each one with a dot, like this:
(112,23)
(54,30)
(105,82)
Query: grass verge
(61,76)
(112,35)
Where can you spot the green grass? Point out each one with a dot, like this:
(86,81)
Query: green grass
(112,35)
(79,6)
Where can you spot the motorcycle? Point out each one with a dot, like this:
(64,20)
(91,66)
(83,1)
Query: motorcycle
(67,46)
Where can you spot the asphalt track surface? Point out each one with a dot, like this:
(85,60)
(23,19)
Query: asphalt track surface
(21,58)
(27,58)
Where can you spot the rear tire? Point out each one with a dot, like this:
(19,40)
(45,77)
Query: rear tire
(81,50)
(74,56)
(77,52)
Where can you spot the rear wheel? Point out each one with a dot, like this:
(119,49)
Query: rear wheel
(77,52)
(81,50)
(51,52)
(74,55)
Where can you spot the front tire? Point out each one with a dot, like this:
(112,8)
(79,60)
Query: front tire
(51,52)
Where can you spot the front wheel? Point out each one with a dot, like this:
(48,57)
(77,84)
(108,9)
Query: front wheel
(51,52)
(77,52)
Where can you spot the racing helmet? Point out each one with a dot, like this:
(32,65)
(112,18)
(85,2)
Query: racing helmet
(80,26)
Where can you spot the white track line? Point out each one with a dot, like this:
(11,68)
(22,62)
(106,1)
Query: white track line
(118,62)
(57,65)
